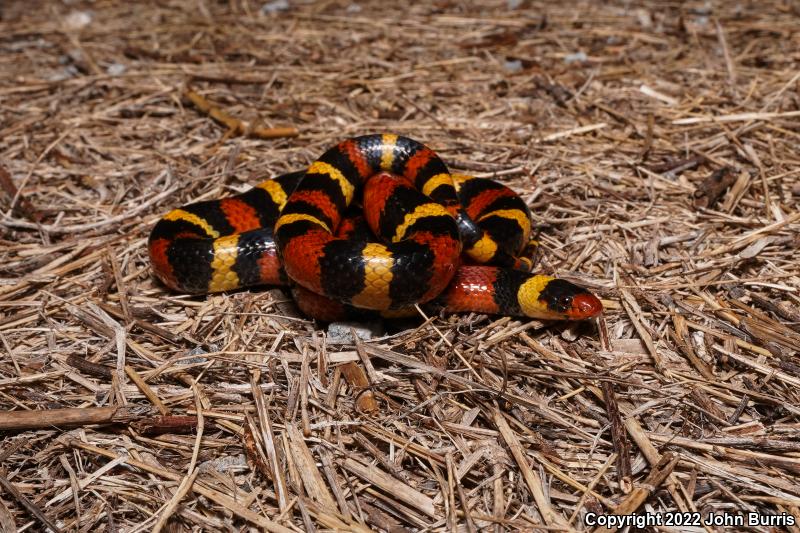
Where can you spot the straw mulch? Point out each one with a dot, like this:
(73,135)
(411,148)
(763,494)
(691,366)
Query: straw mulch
(656,144)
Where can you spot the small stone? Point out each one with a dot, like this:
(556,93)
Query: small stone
(198,350)
(513,65)
(70,71)
(275,6)
(225,463)
(78,19)
(577,56)
(571,333)
(116,69)
(645,19)
(737,293)
(340,332)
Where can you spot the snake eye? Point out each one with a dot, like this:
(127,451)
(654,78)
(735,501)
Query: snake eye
(557,295)
(564,303)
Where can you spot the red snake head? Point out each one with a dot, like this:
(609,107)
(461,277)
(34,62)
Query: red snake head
(556,299)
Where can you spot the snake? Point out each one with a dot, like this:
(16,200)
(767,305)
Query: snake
(377,223)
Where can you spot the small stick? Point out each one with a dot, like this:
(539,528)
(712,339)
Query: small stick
(313,481)
(333,483)
(677,166)
(73,484)
(780,309)
(304,378)
(403,492)
(12,449)
(146,390)
(637,497)
(86,481)
(551,516)
(122,291)
(734,117)
(648,139)
(371,374)
(357,378)
(26,503)
(6,520)
(631,306)
(89,367)
(22,205)
(235,125)
(726,53)
(573,131)
(365,443)
(169,508)
(268,439)
(590,487)
(618,438)
(158,425)
(64,418)
(713,187)
(214,495)
(448,493)
(462,497)
(753,156)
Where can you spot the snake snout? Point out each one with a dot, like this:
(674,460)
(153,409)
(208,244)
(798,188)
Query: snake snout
(585,305)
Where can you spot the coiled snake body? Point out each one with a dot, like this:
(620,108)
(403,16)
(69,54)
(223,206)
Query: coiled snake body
(425,237)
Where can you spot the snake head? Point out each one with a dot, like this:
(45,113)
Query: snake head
(584,305)
(561,296)
(556,299)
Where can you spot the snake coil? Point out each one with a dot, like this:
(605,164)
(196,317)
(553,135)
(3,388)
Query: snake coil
(419,224)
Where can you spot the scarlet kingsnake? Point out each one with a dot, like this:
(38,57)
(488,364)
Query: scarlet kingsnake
(300,229)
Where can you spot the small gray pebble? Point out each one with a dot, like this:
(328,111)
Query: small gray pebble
(339,332)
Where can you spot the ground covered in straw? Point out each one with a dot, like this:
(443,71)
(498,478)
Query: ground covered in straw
(656,144)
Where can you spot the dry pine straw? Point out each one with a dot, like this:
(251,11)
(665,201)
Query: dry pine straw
(655,143)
